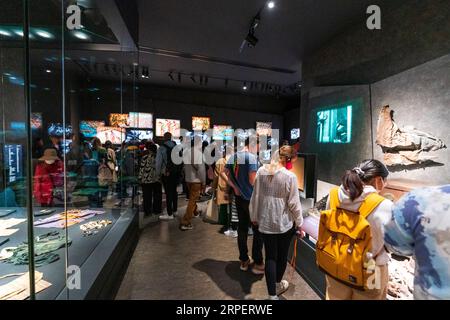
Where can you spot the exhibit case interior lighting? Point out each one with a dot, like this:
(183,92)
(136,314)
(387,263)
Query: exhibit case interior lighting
(62,209)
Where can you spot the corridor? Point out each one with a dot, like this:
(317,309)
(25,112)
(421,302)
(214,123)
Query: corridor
(200,264)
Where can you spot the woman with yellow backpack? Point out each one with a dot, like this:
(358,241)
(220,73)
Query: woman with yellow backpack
(350,247)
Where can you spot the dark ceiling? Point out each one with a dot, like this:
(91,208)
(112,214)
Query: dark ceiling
(203,37)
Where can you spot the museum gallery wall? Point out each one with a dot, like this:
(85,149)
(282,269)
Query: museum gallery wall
(420,101)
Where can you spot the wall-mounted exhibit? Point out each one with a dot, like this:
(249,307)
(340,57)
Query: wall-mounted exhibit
(405,146)
(201,123)
(140,120)
(119,120)
(223,133)
(335,125)
(168,125)
(264,128)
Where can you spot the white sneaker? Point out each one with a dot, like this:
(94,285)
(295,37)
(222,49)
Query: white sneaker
(228,232)
(273,298)
(282,287)
(234,234)
(165,217)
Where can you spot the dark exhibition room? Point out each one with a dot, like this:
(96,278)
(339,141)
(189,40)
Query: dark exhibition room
(212,150)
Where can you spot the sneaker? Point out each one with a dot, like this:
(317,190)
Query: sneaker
(246,264)
(228,232)
(186,227)
(250,231)
(165,217)
(282,287)
(234,234)
(258,269)
(273,298)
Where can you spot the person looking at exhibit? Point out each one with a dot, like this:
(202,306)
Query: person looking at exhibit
(359,191)
(240,173)
(48,179)
(150,181)
(276,211)
(195,175)
(170,176)
(420,228)
(222,189)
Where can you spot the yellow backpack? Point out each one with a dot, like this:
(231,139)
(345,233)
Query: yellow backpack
(344,241)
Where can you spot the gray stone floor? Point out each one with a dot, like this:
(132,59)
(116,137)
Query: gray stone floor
(202,264)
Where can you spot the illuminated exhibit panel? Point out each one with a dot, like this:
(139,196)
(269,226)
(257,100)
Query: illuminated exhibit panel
(113,134)
(36,121)
(168,125)
(12,158)
(295,134)
(264,128)
(138,135)
(58,130)
(335,125)
(118,120)
(89,128)
(140,120)
(201,123)
(223,133)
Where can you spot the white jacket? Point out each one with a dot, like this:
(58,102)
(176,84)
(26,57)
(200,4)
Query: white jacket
(194,166)
(377,219)
(275,203)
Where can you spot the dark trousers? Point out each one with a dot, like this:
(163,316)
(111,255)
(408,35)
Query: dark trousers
(243,225)
(152,196)
(170,184)
(277,248)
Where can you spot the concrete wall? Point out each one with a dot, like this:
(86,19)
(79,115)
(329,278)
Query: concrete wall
(420,97)
(334,159)
(413,32)
(404,65)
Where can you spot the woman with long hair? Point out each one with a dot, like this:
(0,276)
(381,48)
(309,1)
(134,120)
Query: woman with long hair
(275,208)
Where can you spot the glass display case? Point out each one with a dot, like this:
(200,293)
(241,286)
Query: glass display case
(68,200)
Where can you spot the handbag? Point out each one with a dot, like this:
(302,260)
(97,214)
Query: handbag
(212,211)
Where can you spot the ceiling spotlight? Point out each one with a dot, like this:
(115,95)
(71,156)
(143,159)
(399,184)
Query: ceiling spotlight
(171,76)
(271,4)
(80,35)
(19,33)
(44,34)
(48,71)
(245,86)
(5,33)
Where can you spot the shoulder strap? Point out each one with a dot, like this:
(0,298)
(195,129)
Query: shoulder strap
(372,201)
(334,198)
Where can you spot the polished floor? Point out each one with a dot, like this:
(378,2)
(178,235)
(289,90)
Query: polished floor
(201,264)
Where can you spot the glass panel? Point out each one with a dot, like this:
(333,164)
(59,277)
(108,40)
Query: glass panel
(49,143)
(100,90)
(14,203)
(84,151)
